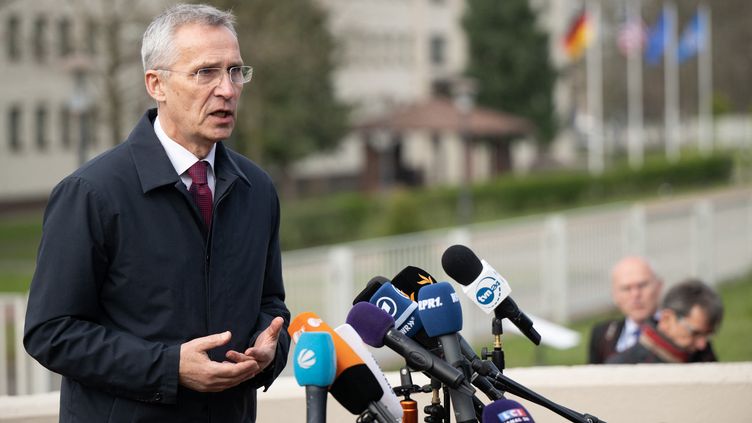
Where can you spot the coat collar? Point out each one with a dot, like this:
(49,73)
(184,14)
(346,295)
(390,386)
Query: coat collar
(154,168)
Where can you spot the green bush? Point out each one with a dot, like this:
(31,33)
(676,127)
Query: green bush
(349,217)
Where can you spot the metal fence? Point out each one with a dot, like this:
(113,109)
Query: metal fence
(557,265)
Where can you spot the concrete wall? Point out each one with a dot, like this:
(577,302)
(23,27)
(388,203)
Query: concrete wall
(710,392)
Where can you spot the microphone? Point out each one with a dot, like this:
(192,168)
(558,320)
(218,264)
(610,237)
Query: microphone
(371,287)
(411,279)
(486,288)
(439,308)
(506,411)
(414,278)
(314,367)
(354,386)
(389,400)
(400,307)
(376,328)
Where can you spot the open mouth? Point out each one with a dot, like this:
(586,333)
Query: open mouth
(221,113)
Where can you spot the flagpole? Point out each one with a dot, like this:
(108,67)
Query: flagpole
(593,65)
(705,83)
(635,133)
(671,84)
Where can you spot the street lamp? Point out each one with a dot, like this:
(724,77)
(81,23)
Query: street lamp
(463,91)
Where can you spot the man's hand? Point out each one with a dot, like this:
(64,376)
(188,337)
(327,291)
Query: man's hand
(263,350)
(200,373)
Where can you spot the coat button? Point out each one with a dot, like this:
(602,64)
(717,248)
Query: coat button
(158,397)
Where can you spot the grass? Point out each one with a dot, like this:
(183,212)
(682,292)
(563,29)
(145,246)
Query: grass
(20,235)
(19,239)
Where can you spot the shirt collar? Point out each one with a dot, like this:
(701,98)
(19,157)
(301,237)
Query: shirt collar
(179,156)
(630,326)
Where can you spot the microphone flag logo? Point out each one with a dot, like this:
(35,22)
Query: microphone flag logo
(388,305)
(486,292)
(306,358)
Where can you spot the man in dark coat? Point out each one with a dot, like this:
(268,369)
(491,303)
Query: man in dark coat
(635,289)
(690,315)
(158,291)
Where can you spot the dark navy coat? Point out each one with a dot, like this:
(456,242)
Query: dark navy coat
(125,275)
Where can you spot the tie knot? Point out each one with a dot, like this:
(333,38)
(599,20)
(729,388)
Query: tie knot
(197,172)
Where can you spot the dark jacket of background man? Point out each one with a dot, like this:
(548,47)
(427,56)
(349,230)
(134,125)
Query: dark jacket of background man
(116,338)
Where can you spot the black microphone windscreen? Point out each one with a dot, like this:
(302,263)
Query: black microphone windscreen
(371,287)
(506,411)
(355,388)
(411,279)
(461,264)
(371,323)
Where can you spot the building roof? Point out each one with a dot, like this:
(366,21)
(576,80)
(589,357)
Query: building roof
(441,114)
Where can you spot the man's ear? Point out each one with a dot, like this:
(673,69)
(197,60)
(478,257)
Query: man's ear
(666,318)
(155,85)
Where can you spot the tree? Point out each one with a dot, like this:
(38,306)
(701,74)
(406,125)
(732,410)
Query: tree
(289,109)
(509,59)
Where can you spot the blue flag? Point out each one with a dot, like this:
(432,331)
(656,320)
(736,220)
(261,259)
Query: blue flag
(693,38)
(656,42)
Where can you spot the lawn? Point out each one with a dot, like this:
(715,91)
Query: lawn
(19,238)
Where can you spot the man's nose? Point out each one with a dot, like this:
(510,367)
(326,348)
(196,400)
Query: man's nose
(225,87)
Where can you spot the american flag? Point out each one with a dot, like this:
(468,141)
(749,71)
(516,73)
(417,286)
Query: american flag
(632,36)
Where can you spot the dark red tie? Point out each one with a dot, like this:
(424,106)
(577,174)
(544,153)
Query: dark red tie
(200,191)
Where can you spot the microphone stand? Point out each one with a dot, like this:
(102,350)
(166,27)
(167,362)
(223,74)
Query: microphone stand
(497,356)
(509,385)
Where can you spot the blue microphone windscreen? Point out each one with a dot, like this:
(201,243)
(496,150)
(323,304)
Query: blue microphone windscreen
(402,309)
(370,322)
(439,309)
(506,411)
(315,360)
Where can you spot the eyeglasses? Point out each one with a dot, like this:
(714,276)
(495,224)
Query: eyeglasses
(205,76)
(694,333)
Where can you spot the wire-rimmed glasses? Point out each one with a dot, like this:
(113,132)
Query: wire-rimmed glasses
(205,76)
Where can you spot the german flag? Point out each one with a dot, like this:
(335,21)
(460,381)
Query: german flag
(578,36)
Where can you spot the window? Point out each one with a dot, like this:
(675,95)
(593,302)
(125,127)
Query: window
(65,46)
(40,35)
(12,36)
(14,128)
(437,50)
(65,126)
(41,126)
(92,31)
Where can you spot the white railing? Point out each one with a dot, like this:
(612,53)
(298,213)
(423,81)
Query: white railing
(557,264)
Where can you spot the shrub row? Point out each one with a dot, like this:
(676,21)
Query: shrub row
(346,217)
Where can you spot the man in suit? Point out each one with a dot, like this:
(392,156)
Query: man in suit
(635,289)
(690,314)
(158,290)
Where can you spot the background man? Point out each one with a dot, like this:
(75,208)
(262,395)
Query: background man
(691,313)
(635,290)
(158,291)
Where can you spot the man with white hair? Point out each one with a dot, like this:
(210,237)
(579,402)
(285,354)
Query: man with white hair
(158,290)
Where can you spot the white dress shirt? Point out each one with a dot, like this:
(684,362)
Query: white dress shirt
(182,159)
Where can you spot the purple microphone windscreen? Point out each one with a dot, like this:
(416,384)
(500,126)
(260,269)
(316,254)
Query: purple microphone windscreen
(370,322)
(411,279)
(371,287)
(461,264)
(506,411)
(439,309)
